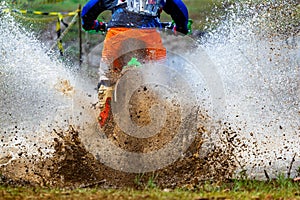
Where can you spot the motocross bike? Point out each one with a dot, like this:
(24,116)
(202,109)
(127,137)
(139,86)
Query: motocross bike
(152,116)
(127,78)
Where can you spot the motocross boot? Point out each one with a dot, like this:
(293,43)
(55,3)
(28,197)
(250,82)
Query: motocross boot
(105,95)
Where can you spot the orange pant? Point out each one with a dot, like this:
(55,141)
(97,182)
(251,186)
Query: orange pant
(121,44)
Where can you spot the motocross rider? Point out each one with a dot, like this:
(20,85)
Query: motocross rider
(131,20)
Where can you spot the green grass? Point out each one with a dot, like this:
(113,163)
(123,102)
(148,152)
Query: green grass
(199,10)
(281,188)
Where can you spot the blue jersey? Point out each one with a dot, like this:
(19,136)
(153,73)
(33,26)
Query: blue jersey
(122,17)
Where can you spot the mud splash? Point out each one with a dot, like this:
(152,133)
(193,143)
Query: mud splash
(72,166)
(46,133)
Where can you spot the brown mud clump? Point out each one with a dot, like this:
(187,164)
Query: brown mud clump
(72,166)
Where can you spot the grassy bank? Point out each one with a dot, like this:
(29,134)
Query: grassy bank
(237,189)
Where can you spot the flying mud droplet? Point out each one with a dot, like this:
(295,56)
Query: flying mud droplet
(5,159)
(65,87)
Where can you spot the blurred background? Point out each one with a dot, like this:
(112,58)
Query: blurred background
(45,24)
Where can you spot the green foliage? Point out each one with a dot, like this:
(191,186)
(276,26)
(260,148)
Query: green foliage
(236,189)
(283,182)
(199,10)
(151,182)
(142,181)
(138,180)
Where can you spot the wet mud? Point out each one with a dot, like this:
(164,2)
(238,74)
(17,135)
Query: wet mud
(71,165)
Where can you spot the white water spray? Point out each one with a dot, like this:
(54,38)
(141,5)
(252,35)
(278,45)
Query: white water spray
(37,93)
(256,50)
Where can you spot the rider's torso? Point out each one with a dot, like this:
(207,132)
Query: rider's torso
(136,14)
